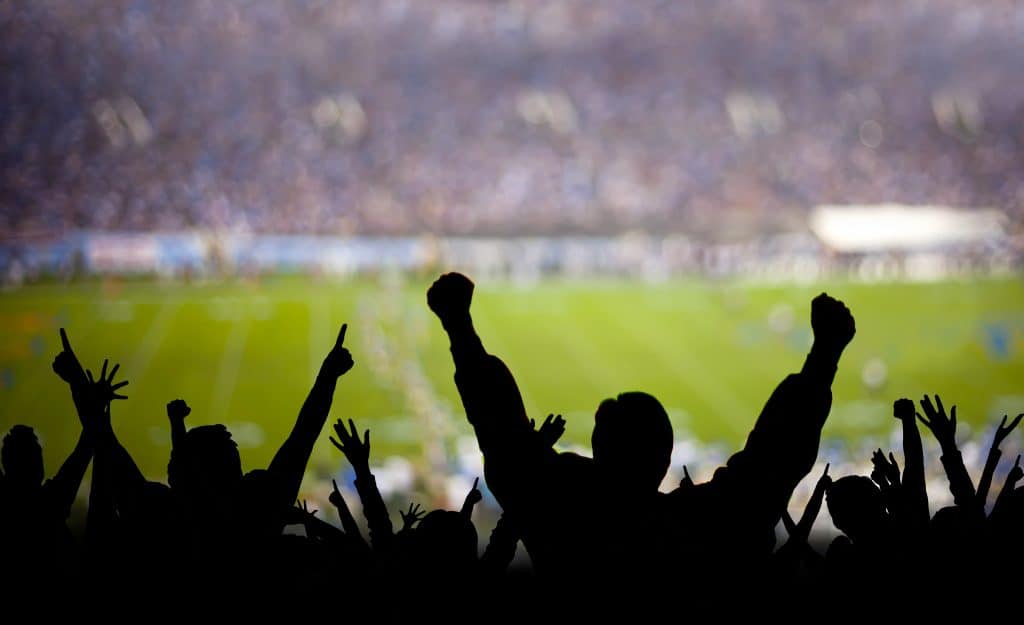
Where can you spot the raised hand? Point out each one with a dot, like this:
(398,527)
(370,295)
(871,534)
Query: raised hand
(339,360)
(104,387)
(1002,431)
(687,481)
(348,522)
(473,497)
(450,297)
(414,514)
(357,452)
(941,426)
(66,364)
(825,481)
(178,409)
(305,508)
(551,430)
(903,408)
(800,531)
(832,322)
(335,497)
(299,514)
(886,472)
(999,510)
(1016,473)
(994,453)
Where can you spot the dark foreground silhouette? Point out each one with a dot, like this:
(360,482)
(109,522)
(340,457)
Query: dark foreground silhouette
(212,537)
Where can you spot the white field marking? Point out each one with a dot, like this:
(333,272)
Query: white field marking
(151,341)
(693,374)
(689,373)
(227,372)
(588,359)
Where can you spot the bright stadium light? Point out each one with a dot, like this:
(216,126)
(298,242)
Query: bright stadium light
(897,227)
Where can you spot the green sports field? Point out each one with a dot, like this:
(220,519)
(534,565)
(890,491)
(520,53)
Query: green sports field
(244,353)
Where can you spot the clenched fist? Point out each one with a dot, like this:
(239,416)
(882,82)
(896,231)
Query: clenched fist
(832,322)
(450,296)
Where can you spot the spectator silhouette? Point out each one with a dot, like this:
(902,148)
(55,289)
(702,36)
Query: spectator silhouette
(603,539)
(34,536)
(211,519)
(724,526)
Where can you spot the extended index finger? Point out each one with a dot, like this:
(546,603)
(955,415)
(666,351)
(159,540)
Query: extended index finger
(341,335)
(64,340)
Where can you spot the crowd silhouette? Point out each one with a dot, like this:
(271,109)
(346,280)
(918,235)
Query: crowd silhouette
(213,535)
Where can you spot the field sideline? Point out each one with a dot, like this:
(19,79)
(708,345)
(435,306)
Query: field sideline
(244,353)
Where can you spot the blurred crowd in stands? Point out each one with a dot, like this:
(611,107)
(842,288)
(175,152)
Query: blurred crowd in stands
(394,117)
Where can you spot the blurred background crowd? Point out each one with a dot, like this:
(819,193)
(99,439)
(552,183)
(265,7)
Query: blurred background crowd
(394,117)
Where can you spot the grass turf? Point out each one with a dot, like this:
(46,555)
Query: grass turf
(244,353)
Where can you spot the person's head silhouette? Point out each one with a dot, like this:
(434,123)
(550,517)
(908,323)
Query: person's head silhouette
(22,458)
(632,440)
(856,507)
(206,464)
(445,541)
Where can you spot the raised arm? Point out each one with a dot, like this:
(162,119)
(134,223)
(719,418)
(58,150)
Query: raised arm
(374,509)
(63,487)
(501,547)
(489,393)
(914,496)
(449,298)
(93,411)
(803,528)
(348,522)
(834,328)
(998,510)
(783,445)
(994,453)
(944,429)
(797,549)
(289,463)
(473,497)
(490,396)
(177,410)
(92,400)
(101,519)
